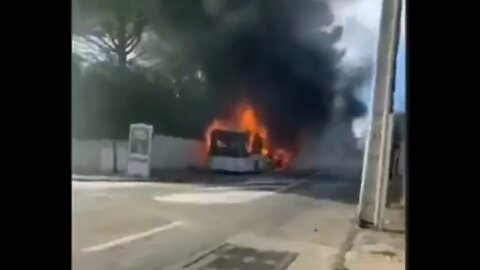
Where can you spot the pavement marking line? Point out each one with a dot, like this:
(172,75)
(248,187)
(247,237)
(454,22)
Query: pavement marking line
(234,196)
(133,237)
(268,181)
(226,197)
(299,182)
(109,178)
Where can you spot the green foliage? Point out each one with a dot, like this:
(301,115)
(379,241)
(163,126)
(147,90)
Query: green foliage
(107,99)
(114,27)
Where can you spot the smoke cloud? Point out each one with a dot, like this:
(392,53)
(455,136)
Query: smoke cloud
(280,55)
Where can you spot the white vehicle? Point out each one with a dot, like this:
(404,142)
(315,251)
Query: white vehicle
(230,151)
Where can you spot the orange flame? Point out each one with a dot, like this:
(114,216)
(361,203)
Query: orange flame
(245,118)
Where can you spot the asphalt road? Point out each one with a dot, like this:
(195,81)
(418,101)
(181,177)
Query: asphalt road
(156,225)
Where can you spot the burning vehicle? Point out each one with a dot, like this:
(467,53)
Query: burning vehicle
(229,151)
(240,143)
(272,68)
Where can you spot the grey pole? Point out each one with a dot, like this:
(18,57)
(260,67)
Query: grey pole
(385,177)
(370,202)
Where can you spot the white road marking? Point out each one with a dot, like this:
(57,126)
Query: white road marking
(284,188)
(243,187)
(107,185)
(228,196)
(102,185)
(331,185)
(130,238)
(268,181)
(108,178)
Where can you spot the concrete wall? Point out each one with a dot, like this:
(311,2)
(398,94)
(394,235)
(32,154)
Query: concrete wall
(86,155)
(171,152)
(403,158)
(121,147)
(398,145)
(167,153)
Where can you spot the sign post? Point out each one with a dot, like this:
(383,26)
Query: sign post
(139,147)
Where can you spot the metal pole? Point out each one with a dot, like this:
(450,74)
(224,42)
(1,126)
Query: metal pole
(371,188)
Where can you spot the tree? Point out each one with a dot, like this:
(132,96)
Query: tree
(113,27)
(76,70)
(163,84)
(175,72)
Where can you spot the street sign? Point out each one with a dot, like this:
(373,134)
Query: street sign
(139,147)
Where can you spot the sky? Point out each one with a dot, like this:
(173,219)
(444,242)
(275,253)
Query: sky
(361,41)
(361,20)
(363,45)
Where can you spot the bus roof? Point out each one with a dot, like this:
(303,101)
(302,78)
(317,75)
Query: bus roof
(229,131)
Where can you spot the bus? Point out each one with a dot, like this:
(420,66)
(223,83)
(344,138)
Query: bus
(235,151)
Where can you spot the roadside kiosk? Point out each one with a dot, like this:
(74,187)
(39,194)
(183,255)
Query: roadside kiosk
(139,149)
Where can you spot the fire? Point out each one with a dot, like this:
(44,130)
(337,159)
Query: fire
(249,122)
(216,124)
(283,157)
(244,118)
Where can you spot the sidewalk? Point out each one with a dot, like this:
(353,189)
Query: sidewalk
(377,250)
(312,240)
(380,250)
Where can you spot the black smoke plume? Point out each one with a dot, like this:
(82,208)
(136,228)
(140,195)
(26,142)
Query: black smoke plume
(279,55)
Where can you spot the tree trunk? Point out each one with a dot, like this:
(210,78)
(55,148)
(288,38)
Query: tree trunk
(122,42)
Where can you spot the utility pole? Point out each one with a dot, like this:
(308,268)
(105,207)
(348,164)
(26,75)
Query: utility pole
(377,153)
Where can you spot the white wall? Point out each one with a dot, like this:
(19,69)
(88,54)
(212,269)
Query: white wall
(86,154)
(171,152)
(122,154)
(167,153)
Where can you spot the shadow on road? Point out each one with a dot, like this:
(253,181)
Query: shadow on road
(341,185)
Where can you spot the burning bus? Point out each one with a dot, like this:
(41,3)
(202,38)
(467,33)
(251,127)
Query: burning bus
(241,143)
(230,151)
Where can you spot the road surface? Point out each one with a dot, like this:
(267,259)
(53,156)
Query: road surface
(134,225)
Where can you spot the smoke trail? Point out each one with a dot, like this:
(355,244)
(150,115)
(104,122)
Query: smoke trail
(280,55)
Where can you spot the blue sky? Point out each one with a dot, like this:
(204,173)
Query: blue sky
(363,45)
(400,80)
